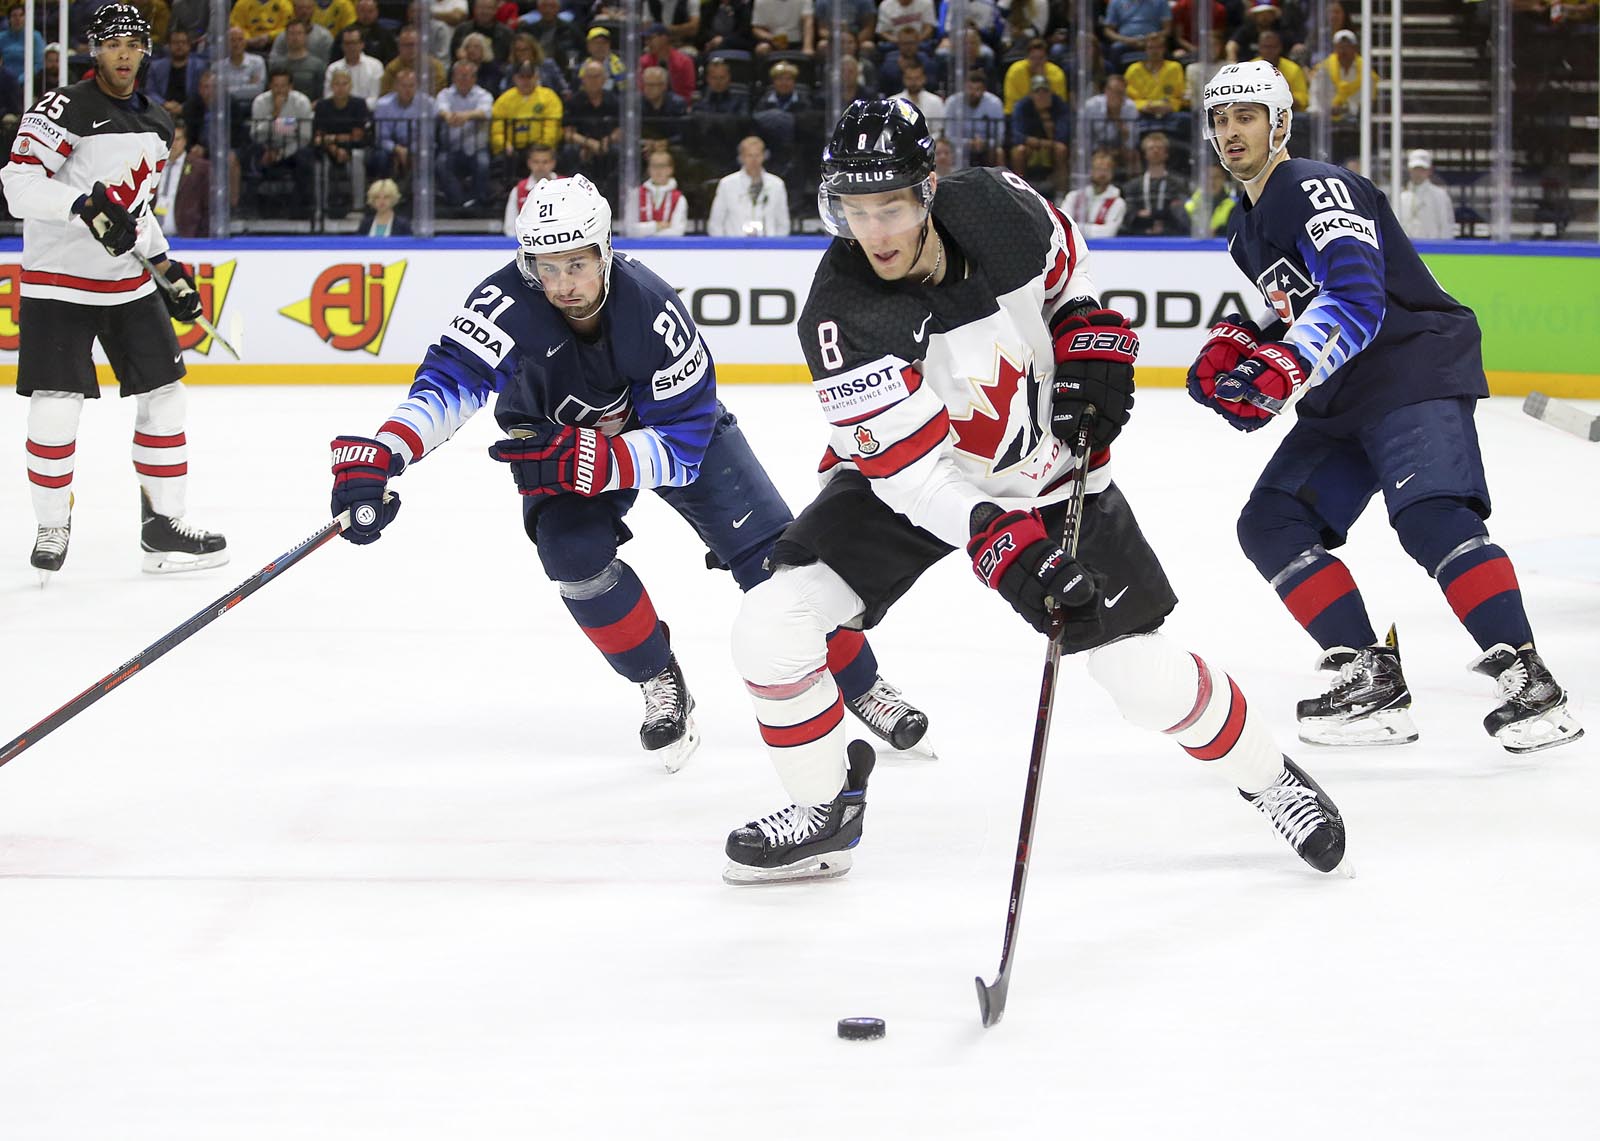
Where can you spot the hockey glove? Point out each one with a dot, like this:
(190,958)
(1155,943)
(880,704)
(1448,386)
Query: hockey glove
(1012,554)
(1095,352)
(1256,389)
(556,458)
(1231,340)
(183,299)
(113,227)
(361,471)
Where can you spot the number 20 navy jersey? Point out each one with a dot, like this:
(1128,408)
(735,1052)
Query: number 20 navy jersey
(648,377)
(1374,327)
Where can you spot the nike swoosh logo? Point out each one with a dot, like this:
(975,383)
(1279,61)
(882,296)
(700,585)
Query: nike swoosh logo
(1402,482)
(923,328)
(102,123)
(742,520)
(1116,598)
(554,349)
(177,358)
(1231,240)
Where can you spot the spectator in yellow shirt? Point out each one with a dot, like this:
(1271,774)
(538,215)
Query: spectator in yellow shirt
(526,113)
(261,20)
(1270,44)
(1338,78)
(1155,85)
(335,15)
(1019,76)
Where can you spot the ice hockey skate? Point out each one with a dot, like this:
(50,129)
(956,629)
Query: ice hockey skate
(171,545)
(1534,715)
(1369,703)
(50,550)
(804,842)
(892,719)
(669,730)
(1304,815)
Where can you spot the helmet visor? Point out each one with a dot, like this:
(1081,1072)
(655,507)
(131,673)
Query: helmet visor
(563,271)
(869,217)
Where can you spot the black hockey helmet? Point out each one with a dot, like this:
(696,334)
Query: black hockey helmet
(117,20)
(878,145)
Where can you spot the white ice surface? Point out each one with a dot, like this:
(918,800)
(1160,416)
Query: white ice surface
(376,855)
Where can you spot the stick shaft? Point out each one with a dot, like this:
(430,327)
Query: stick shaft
(166,287)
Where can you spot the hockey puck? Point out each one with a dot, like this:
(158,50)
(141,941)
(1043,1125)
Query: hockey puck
(861,1029)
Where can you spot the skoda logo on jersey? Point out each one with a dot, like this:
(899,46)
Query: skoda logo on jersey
(486,335)
(1281,285)
(559,237)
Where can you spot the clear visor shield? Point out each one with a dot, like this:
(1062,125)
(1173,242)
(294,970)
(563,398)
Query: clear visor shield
(1221,119)
(565,272)
(874,217)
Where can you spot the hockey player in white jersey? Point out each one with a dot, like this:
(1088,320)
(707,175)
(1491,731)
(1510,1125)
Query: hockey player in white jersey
(956,342)
(84,170)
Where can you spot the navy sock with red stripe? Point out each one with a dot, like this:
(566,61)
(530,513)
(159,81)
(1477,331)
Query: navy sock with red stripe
(1322,596)
(1481,586)
(621,622)
(851,662)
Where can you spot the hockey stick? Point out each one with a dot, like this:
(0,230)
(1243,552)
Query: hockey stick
(172,638)
(1560,414)
(992,996)
(171,291)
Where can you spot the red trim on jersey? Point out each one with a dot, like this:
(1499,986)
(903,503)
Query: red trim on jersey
(49,480)
(928,438)
(15,157)
(143,441)
(622,460)
(408,437)
(830,460)
(627,632)
(1308,600)
(87,284)
(161,471)
(1066,232)
(52,451)
(1097,460)
(63,148)
(808,731)
(1228,736)
(844,648)
(1202,698)
(1057,272)
(1481,583)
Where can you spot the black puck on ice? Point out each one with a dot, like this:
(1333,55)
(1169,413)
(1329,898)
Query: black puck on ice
(861,1029)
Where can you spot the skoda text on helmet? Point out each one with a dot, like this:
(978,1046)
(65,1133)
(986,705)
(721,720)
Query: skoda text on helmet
(1254,82)
(879,145)
(564,215)
(114,21)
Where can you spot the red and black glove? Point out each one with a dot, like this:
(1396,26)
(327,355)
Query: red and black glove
(1095,351)
(361,471)
(1012,553)
(554,458)
(1256,389)
(1230,341)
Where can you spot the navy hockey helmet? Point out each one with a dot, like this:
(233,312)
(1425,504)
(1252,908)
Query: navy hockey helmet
(116,20)
(878,145)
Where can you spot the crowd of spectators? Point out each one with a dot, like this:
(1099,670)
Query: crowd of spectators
(328,98)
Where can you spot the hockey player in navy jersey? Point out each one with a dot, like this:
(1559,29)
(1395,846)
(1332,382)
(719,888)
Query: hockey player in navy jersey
(85,166)
(956,342)
(1387,371)
(605,388)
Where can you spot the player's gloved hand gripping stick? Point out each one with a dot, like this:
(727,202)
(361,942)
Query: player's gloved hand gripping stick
(182,299)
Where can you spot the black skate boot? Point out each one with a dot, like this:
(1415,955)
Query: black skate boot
(171,545)
(1304,815)
(892,719)
(50,550)
(1534,715)
(1369,703)
(668,728)
(804,842)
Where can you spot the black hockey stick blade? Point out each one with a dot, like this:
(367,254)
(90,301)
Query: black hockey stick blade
(34,734)
(992,998)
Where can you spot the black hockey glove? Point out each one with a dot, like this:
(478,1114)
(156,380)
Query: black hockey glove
(183,299)
(113,227)
(361,471)
(1095,351)
(1012,553)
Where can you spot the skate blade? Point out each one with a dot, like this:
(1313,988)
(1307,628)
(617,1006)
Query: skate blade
(175,562)
(677,754)
(824,867)
(1544,732)
(921,751)
(1385,727)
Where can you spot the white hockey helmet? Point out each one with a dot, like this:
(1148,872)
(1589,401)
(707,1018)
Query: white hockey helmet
(561,215)
(1254,82)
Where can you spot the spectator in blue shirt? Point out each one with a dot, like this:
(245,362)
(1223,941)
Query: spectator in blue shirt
(1126,25)
(13,41)
(1041,127)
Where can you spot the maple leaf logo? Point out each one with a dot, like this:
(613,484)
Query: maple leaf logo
(987,426)
(128,191)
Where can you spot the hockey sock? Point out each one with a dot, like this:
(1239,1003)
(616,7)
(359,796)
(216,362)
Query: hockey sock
(851,662)
(1158,685)
(1481,586)
(802,723)
(617,615)
(1319,592)
(160,449)
(52,448)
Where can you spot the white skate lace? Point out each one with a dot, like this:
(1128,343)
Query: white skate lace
(187,530)
(880,707)
(662,699)
(1291,807)
(51,540)
(1512,680)
(793,824)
